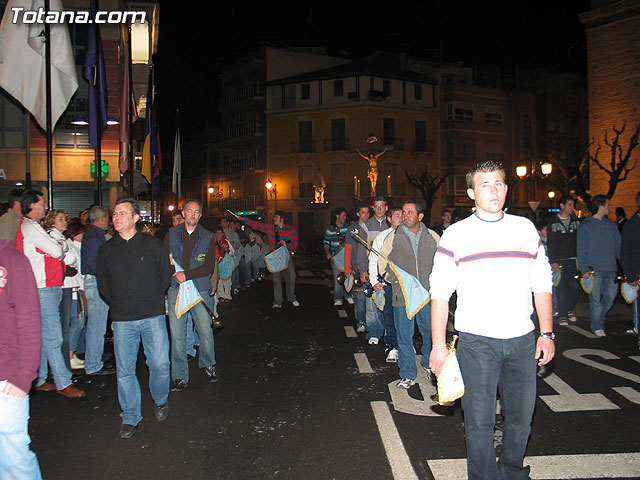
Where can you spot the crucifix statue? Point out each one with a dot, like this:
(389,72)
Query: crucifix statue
(372,159)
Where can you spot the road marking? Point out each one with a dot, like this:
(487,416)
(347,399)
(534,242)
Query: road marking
(396,454)
(568,400)
(342,313)
(577,354)
(404,403)
(363,363)
(629,393)
(609,465)
(635,358)
(350,331)
(582,331)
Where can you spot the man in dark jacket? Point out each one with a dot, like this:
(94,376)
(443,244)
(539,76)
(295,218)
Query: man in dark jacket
(20,337)
(193,247)
(134,273)
(562,241)
(630,258)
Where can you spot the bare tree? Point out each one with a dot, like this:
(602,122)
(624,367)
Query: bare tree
(428,185)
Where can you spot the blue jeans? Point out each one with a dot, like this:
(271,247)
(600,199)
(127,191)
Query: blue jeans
(373,320)
(65,313)
(51,351)
(359,306)
(405,329)
(390,339)
(16,460)
(178,327)
(634,311)
(338,290)
(192,341)
(601,298)
(96,326)
(567,290)
(155,341)
(489,365)
(76,326)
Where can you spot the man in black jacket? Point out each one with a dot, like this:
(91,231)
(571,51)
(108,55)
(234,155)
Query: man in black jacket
(562,242)
(134,272)
(630,259)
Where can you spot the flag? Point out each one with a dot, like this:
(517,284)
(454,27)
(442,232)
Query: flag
(22,63)
(277,260)
(128,108)
(188,295)
(151,162)
(177,166)
(415,295)
(94,72)
(338,260)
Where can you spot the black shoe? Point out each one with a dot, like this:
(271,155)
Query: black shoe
(104,371)
(178,385)
(127,431)
(161,411)
(210,373)
(190,357)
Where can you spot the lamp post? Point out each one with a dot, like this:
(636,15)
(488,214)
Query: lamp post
(272,190)
(530,171)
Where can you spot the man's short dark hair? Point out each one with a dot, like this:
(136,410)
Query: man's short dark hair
(282,214)
(598,201)
(484,167)
(360,206)
(565,198)
(135,206)
(27,198)
(14,196)
(393,210)
(380,198)
(446,210)
(338,211)
(418,205)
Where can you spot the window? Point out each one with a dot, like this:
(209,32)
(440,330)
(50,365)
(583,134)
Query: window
(305,181)
(495,118)
(289,96)
(458,184)
(305,137)
(461,150)
(421,136)
(459,113)
(305,91)
(495,157)
(386,87)
(338,134)
(389,131)
(338,88)
(418,91)
(12,123)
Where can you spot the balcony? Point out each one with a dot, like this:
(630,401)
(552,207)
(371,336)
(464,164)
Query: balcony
(335,144)
(255,91)
(245,202)
(303,147)
(428,146)
(396,143)
(234,166)
(243,130)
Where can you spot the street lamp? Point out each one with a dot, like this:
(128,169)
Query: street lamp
(210,190)
(540,169)
(272,189)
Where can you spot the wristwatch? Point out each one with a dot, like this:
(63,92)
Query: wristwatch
(549,335)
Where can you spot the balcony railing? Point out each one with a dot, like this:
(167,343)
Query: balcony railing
(241,130)
(303,147)
(425,146)
(335,144)
(245,202)
(235,97)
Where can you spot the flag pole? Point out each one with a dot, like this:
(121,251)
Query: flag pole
(47,50)
(130,80)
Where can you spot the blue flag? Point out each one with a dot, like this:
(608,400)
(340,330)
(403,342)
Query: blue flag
(188,294)
(277,260)
(225,267)
(415,295)
(94,72)
(338,260)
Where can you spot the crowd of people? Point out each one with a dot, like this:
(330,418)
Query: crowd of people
(87,272)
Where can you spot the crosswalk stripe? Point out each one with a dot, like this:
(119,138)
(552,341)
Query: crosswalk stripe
(582,331)
(609,465)
(363,363)
(350,331)
(342,313)
(396,454)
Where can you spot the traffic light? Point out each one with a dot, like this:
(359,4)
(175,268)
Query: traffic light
(104,168)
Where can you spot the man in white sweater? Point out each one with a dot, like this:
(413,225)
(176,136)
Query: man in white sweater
(494,261)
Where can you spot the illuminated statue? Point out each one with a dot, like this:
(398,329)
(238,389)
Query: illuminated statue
(372,172)
(319,184)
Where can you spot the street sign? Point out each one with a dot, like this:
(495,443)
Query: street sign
(534,205)
(244,213)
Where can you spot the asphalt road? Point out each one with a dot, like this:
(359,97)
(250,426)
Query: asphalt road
(300,396)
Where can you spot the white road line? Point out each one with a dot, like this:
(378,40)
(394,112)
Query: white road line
(568,400)
(342,313)
(396,454)
(350,331)
(363,363)
(578,355)
(629,393)
(635,358)
(582,331)
(610,465)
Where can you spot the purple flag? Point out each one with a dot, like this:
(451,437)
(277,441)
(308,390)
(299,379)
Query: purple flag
(94,72)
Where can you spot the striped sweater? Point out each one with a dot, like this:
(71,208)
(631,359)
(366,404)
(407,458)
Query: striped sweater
(275,234)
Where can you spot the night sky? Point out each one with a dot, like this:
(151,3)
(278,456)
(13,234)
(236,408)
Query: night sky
(198,38)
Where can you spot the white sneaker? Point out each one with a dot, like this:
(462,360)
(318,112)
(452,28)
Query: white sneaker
(350,300)
(373,341)
(361,329)
(632,331)
(572,317)
(295,303)
(277,305)
(392,356)
(600,333)
(337,303)
(405,383)
(76,363)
